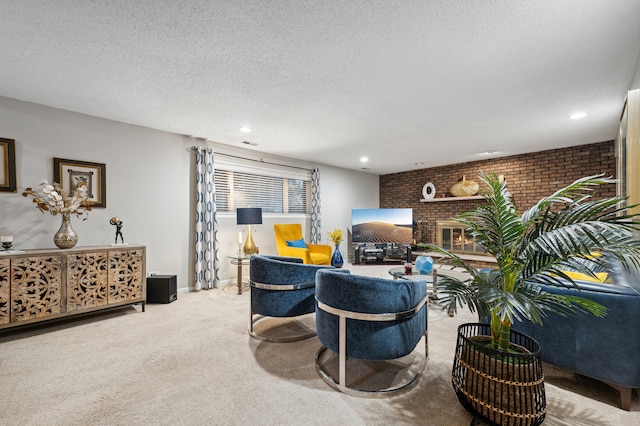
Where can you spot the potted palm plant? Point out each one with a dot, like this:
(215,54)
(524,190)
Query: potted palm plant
(568,230)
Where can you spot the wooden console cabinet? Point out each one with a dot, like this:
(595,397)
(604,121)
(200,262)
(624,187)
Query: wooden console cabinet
(40,285)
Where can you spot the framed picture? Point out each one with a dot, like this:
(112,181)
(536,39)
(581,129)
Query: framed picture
(71,173)
(8,165)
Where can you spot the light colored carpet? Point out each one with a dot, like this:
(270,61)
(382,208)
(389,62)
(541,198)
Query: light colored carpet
(192,362)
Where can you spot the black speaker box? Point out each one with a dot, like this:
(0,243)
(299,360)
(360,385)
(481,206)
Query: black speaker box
(162,289)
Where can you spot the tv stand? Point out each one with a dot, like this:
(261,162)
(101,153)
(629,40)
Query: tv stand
(382,253)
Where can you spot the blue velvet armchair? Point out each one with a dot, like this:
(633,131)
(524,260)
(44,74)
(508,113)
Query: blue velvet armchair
(281,287)
(606,349)
(369,318)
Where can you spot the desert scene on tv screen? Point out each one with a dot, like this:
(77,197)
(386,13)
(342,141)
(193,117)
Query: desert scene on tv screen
(381,232)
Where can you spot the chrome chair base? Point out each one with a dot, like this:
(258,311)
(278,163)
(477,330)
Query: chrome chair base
(255,318)
(366,393)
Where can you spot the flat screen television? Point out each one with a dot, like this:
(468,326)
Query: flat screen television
(382,226)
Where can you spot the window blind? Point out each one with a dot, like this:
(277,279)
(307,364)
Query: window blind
(274,194)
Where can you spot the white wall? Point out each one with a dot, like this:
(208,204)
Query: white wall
(148,181)
(635,83)
(362,192)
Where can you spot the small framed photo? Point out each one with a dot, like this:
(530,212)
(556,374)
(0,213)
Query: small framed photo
(8,165)
(71,173)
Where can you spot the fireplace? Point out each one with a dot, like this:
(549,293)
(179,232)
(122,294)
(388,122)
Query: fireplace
(451,235)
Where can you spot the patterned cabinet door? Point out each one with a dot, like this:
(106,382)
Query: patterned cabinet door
(35,287)
(5,287)
(125,275)
(86,280)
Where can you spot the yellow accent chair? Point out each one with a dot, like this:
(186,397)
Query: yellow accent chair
(315,254)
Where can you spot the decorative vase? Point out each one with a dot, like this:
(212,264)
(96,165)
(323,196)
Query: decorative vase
(424,264)
(66,237)
(336,259)
(499,388)
(465,188)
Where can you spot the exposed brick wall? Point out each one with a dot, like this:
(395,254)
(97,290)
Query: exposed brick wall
(529,178)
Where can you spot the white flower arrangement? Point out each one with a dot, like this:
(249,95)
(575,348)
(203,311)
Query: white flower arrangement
(54,199)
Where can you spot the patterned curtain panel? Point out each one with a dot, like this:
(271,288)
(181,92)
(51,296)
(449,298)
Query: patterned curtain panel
(316,223)
(206,239)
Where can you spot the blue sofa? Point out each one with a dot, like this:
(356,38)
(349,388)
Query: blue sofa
(606,349)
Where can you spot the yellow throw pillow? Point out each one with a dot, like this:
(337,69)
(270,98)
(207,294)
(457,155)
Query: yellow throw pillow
(600,277)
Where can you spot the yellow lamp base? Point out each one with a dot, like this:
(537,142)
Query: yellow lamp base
(249,247)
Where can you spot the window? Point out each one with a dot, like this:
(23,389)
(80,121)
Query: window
(270,189)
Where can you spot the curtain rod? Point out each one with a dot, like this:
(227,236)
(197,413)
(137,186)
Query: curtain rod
(195,148)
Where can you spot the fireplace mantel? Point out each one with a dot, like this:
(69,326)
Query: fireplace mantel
(435,200)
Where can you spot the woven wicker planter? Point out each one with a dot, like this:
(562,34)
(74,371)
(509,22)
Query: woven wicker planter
(499,388)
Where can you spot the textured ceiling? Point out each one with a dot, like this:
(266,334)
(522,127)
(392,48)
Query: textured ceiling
(398,81)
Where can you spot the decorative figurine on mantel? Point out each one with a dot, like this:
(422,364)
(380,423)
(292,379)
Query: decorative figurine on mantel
(118,224)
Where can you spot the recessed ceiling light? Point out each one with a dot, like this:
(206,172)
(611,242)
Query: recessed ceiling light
(364,159)
(245,129)
(489,152)
(419,163)
(578,115)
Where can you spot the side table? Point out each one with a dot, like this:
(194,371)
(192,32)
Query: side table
(240,261)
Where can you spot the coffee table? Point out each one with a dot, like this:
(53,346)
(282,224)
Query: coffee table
(399,272)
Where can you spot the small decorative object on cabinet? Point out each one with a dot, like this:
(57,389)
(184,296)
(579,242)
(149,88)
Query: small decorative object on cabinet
(66,237)
(54,199)
(41,285)
(7,241)
(118,224)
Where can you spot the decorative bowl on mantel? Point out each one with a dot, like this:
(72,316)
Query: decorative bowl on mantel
(465,188)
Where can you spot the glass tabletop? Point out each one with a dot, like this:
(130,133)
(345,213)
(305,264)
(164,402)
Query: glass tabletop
(241,258)
(399,272)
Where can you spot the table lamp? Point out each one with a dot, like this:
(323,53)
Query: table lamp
(249,216)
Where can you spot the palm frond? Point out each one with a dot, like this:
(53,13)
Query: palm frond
(532,304)
(452,293)
(578,239)
(571,192)
(454,259)
(495,224)
(562,304)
